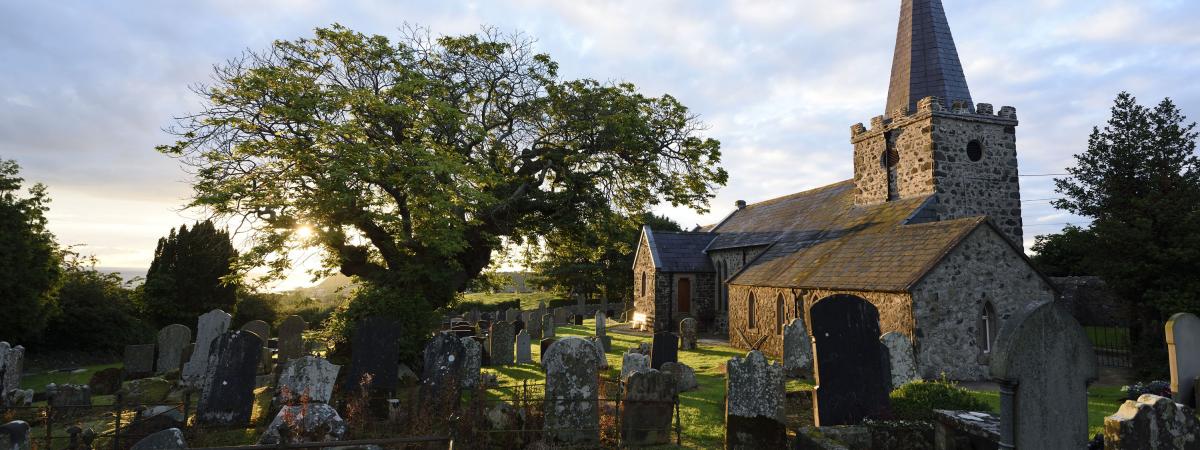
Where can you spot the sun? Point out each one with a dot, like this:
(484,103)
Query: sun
(304,232)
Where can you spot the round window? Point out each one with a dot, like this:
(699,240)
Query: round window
(974,150)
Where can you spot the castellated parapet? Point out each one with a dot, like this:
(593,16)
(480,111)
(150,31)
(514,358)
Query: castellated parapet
(968,159)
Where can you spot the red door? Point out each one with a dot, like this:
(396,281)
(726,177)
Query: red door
(685,295)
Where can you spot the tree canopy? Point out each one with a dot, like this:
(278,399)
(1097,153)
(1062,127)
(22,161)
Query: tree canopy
(189,275)
(409,160)
(29,258)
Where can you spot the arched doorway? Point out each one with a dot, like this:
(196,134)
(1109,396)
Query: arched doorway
(853,382)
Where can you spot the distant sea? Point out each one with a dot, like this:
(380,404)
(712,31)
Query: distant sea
(127,273)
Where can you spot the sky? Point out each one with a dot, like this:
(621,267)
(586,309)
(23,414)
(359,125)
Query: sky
(87,86)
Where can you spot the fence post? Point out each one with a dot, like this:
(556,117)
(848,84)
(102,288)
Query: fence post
(678,423)
(49,420)
(117,409)
(187,402)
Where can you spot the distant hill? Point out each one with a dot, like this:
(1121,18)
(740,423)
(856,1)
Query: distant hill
(330,290)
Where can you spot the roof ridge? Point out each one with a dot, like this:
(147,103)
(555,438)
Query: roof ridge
(801,193)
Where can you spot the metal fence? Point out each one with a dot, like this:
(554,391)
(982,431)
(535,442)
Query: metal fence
(117,426)
(1112,345)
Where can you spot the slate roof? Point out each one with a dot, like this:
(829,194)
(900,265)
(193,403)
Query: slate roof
(679,251)
(819,239)
(926,61)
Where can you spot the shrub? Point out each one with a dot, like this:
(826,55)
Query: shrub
(257,306)
(414,314)
(1159,388)
(918,399)
(97,314)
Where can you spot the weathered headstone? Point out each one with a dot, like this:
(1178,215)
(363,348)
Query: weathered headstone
(66,395)
(647,409)
(562,316)
(797,350)
(1152,422)
(518,326)
(172,339)
(1043,362)
(524,352)
(601,324)
(1183,352)
(168,439)
(685,376)
(543,346)
(210,325)
(533,323)
(547,326)
(511,314)
(305,424)
(687,334)
(901,359)
(441,382)
(307,377)
(600,353)
(633,362)
(375,350)
(228,394)
(754,416)
(291,338)
(260,328)
(472,361)
(852,379)
(578,319)
(146,391)
(571,413)
(139,360)
(14,366)
(664,350)
(501,342)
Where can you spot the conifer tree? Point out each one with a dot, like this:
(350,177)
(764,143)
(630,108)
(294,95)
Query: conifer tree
(186,277)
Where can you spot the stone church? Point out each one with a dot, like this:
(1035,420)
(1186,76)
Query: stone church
(928,231)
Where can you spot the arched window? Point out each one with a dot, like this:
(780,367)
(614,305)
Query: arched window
(988,325)
(779,314)
(643,284)
(750,306)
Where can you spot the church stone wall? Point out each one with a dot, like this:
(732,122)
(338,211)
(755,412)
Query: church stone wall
(949,304)
(895,312)
(644,264)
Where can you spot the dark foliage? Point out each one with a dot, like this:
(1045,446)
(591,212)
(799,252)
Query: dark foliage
(97,311)
(29,258)
(185,278)
(918,399)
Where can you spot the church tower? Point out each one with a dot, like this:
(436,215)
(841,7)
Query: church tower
(932,139)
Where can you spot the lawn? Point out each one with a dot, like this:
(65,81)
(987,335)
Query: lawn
(1103,401)
(529,300)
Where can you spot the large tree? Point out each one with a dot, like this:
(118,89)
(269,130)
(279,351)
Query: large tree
(1139,182)
(29,258)
(190,275)
(410,160)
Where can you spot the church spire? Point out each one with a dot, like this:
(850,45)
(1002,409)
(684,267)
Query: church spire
(926,62)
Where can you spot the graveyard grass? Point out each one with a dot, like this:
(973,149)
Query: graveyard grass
(1103,401)
(529,300)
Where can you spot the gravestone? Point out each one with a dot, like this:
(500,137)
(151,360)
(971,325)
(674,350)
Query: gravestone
(547,326)
(291,338)
(485,359)
(533,323)
(633,362)
(647,409)
(1183,353)
(601,326)
(501,343)
(797,350)
(168,439)
(571,413)
(441,378)
(1152,422)
(754,406)
(472,362)
(106,382)
(208,326)
(543,346)
(306,376)
(664,350)
(687,334)
(603,358)
(518,326)
(260,328)
(13,363)
(578,318)
(511,314)
(902,361)
(685,376)
(172,339)
(303,424)
(852,379)
(139,361)
(524,353)
(375,350)
(67,395)
(228,394)
(1043,362)
(562,316)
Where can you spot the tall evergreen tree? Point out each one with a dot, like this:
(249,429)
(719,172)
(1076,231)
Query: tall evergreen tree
(1139,181)
(29,258)
(186,277)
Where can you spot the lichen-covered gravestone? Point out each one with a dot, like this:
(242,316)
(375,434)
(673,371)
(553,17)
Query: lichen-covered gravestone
(375,350)
(139,360)
(291,338)
(172,339)
(664,350)
(441,385)
(647,409)
(571,413)
(754,417)
(797,350)
(168,439)
(685,377)
(305,423)
(600,353)
(472,362)
(524,352)
(547,326)
(1043,362)
(687,334)
(501,343)
(208,326)
(307,379)
(562,316)
(228,394)
(533,323)
(601,325)
(633,362)
(14,367)
(902,361)
(1152,422)
(67,395)
(1183,352)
